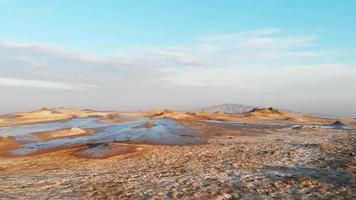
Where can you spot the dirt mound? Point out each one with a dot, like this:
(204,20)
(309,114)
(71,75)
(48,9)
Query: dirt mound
(148,124)
(49,114)
(171,114)
(44,109)
(8,143)
(267,113)
(6,138)
(42,114)
(275,114)
(265,110)
(163,113)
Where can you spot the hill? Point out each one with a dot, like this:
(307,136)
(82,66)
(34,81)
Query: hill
(228,108)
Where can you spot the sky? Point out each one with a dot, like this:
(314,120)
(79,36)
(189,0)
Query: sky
(141,54)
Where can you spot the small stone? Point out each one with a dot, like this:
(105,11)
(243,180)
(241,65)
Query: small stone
(227,196)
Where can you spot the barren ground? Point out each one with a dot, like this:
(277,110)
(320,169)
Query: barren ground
(248,163)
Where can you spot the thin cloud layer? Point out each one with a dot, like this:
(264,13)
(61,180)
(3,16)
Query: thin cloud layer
(254,66)
(43,84)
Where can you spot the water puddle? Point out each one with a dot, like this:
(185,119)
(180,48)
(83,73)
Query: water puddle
(163,131)
(89,122)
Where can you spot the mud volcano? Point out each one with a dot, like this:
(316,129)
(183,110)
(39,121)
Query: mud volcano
(339,125)
(336,125)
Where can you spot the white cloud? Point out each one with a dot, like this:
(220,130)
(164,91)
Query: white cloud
(43,84)
(318,53)
(273,42)
(253,78)
(260,64)
(242,34)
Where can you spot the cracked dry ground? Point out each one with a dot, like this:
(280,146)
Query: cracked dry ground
(249,164)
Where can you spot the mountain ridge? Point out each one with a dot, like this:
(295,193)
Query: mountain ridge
(232,108)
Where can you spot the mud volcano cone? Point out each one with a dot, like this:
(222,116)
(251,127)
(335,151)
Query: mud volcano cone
(338,123)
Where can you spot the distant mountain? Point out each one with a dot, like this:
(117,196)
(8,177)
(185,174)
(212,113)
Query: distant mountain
(240,108)
(228,108)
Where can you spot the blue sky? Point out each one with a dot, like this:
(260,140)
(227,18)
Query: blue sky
(269,53)
(103,27)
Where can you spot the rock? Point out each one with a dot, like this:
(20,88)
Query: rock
(207,181)
(227,196)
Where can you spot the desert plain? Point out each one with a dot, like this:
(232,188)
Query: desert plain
(265,153)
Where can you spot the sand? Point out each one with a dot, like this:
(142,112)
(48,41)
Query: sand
(47,115)
(256,115)
(244,163)
(295,165)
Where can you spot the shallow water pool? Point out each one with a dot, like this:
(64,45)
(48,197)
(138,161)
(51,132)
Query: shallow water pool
(164,131)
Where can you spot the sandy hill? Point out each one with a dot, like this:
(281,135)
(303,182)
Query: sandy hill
(164,113)
(49,114)
(8,142)
(276,114)
(255,114)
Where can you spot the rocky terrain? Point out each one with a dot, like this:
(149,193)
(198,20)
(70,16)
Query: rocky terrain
(296,162)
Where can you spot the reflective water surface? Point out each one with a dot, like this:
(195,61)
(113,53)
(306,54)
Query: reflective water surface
(164,131)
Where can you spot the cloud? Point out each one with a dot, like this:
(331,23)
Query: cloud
(262,67)
(317,76)
(318,53)
(43,84)
(290,41)
(242,34)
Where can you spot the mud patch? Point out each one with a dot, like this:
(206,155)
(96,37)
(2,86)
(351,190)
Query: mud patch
(104,150)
